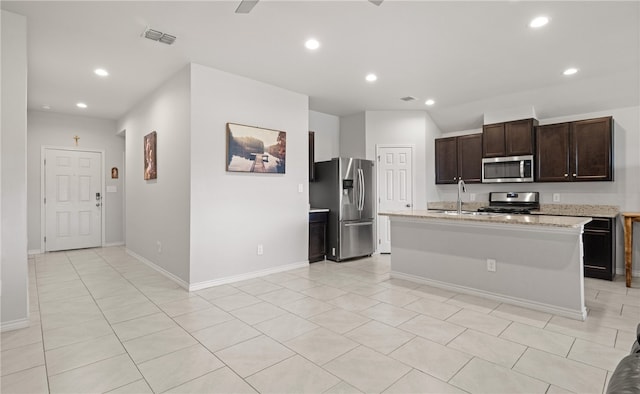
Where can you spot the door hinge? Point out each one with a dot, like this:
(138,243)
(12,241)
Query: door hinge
(45,162)
(45,239)
(45,200)
(379,241)
(378,157)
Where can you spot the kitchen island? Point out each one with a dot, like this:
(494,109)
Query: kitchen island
(537,258)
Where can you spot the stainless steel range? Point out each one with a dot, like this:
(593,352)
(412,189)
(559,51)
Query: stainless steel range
(512,202)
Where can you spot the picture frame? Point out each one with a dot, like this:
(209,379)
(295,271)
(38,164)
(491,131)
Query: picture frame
(150,156)
(255,149)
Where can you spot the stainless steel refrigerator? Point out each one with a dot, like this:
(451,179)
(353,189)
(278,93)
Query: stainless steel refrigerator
(344,185)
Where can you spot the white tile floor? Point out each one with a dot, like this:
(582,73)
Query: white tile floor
(101,321)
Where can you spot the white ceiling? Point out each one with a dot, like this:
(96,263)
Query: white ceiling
(471,57)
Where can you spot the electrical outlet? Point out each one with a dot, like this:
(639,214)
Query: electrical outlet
(472,196)
(556,197)
(159,246)
(491,265)
(260,250)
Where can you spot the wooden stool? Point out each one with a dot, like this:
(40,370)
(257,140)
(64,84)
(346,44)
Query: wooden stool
(629,218)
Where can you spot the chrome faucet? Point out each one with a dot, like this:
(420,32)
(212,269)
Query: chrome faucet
(462,188)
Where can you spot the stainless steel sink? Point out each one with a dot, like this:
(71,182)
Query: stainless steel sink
(471,213)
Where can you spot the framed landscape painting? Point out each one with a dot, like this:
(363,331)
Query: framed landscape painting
(150,164)
(254,149)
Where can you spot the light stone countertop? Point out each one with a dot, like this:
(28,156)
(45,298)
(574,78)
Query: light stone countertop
(603,211)
(536,220)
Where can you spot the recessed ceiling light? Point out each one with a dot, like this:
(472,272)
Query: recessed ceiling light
(46,107)
(81,105)
(570,71)
(430,102)
(371,77)
(312,44)
(538,21)
(101,72)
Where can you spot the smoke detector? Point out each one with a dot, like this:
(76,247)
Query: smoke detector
(159,36)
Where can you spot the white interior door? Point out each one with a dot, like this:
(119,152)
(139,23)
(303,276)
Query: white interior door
(73,199)
(395,188)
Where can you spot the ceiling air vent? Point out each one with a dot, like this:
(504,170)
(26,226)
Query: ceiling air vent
(408,98)
(159,36)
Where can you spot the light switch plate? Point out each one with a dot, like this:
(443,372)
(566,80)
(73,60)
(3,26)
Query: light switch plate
(300,188)
(556,197)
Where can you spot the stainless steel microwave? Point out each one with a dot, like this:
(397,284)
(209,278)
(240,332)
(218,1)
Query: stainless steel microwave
(507,169)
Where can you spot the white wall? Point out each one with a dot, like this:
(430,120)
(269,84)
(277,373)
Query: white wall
(57,130)
(353,136)
(327,135)
(158,210)
(406,127)
(13,272)
(231,213)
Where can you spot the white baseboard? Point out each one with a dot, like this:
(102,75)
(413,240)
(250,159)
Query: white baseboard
(111,244)
(248,275)
(14,325)
(161,270)
(33,251)
(570,313)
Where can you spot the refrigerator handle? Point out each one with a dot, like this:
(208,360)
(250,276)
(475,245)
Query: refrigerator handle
(362,195)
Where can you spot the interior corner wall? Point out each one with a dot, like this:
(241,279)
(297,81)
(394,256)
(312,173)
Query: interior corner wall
(157,218)
(13,200)
(412,128)
(353,136)
(57,130)
(231,213)
(327,135)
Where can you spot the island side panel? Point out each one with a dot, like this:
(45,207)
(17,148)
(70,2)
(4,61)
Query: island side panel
(537,267)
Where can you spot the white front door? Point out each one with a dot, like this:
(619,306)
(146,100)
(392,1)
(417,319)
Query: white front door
(73,199)
(395,188)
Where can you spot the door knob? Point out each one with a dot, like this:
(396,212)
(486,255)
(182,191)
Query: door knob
(98,204)
(408,205)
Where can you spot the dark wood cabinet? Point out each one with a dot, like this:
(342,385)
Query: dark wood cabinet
(591,154)
(459,158)
(493,143)
(509,138)
(599,248)
(575,151)
(552,153)
(446,154)
(317,236)
(470,158)
(312,149)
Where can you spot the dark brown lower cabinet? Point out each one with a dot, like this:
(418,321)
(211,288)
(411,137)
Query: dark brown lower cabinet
(598,240)
(317,236)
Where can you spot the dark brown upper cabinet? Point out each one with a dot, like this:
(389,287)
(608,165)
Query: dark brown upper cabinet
(312,148)
(459,158)
(552,153)
(509,138)
(575,151)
